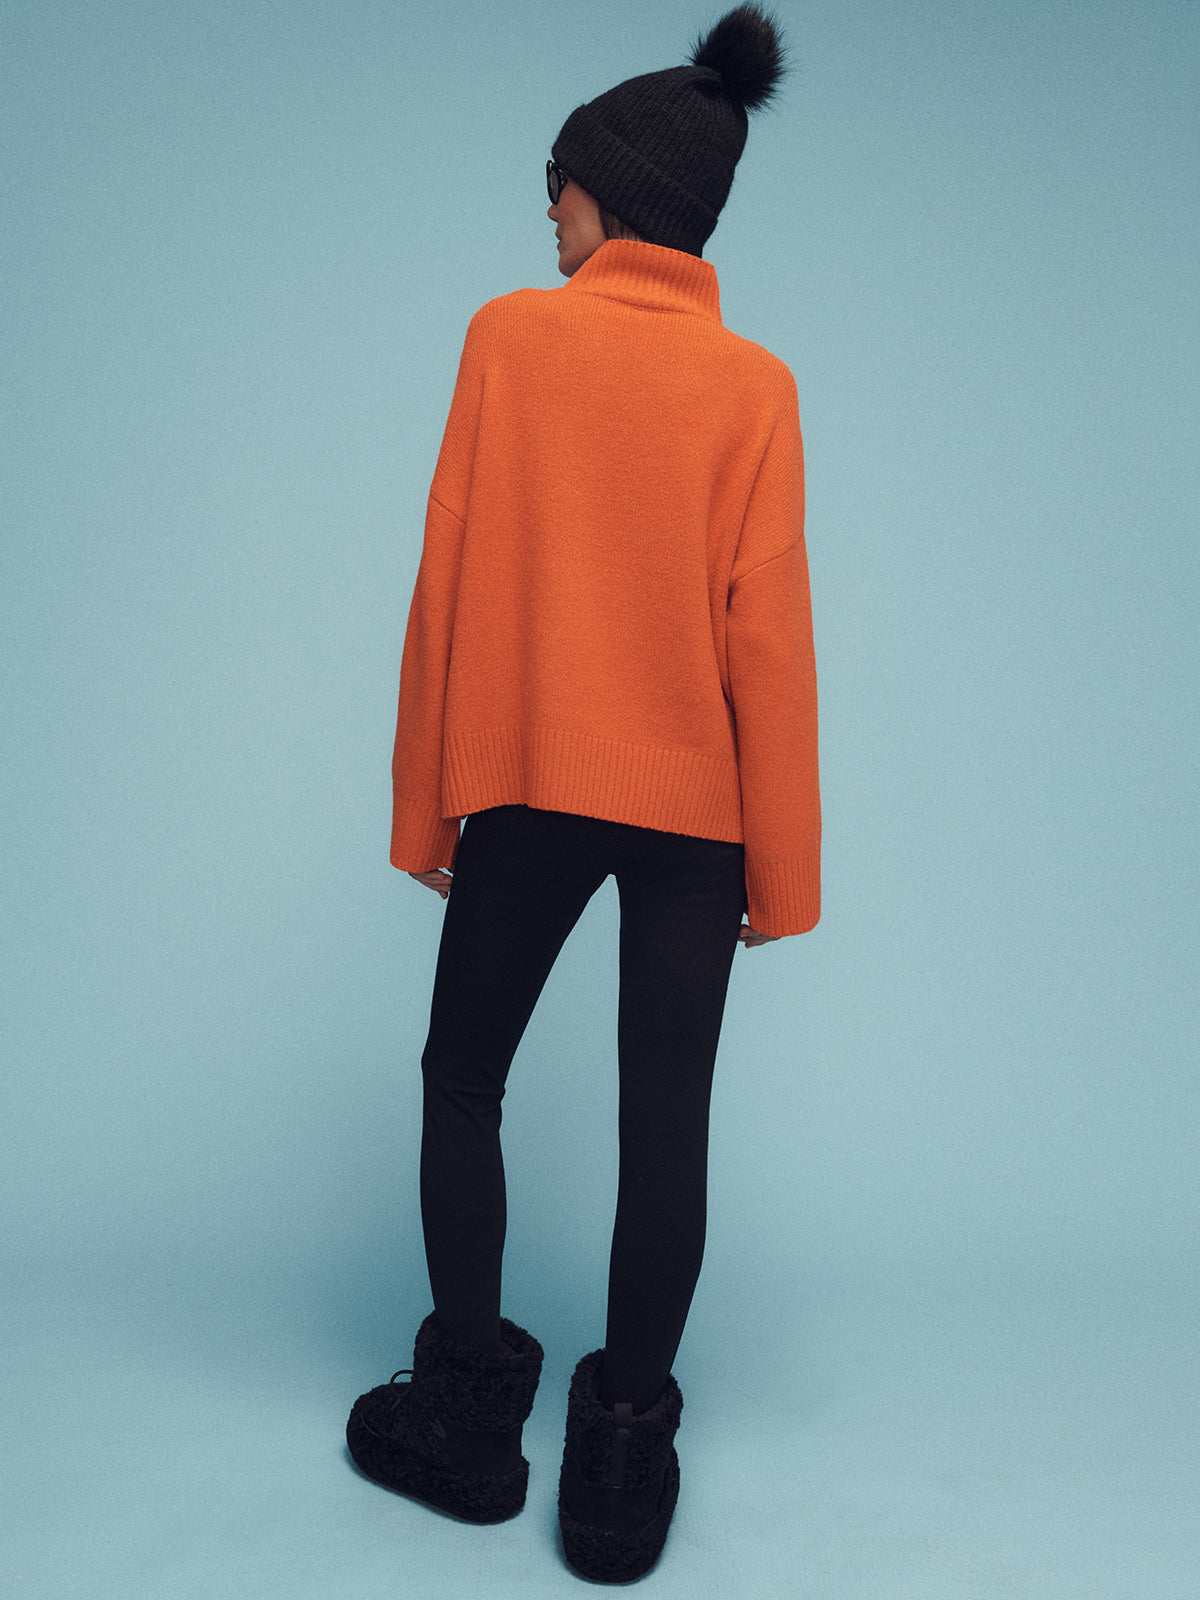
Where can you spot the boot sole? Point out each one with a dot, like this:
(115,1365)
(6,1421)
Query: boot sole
(467,1497)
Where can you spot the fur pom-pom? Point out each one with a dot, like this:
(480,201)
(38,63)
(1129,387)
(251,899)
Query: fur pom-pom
(744,48)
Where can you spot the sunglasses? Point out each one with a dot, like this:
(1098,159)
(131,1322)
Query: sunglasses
(555,179)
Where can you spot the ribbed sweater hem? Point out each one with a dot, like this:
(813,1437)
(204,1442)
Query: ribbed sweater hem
(675,791)
(672,791)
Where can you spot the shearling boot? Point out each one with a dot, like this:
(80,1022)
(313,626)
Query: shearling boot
(452,1437)
(620,1479)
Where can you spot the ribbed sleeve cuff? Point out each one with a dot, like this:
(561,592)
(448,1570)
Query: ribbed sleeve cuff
(784,896)
(420,842)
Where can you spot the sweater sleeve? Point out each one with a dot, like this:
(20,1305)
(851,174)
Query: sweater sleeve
(422,839)
(773,686)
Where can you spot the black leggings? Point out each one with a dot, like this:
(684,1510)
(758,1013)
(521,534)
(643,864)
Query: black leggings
(522,878)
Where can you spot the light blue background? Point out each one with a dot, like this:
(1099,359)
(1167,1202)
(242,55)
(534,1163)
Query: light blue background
(944,1342)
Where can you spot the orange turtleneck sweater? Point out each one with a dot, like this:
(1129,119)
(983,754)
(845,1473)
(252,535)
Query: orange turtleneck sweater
(612,614)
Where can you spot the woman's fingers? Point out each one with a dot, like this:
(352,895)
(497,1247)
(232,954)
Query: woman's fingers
(751,938)
(437,880)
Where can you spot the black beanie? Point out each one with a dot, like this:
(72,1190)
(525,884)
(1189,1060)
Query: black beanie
(658,151)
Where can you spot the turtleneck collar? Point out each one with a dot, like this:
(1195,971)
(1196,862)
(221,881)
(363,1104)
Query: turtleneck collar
(649,275)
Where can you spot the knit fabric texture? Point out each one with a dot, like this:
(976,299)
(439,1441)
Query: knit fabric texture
(612,613)
(659,152)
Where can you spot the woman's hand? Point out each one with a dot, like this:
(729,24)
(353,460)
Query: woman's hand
(750,937)
(437,880)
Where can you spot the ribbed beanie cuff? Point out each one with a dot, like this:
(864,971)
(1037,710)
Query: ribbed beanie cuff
(627,183)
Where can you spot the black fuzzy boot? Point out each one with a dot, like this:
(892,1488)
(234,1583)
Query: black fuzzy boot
(452,1437)
(620,1479)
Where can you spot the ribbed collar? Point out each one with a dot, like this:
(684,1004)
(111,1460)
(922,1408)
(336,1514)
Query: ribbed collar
(649,275)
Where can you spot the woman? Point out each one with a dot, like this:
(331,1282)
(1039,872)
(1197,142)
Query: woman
(608,668)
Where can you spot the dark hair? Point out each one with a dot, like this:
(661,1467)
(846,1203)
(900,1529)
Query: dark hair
(614,228)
